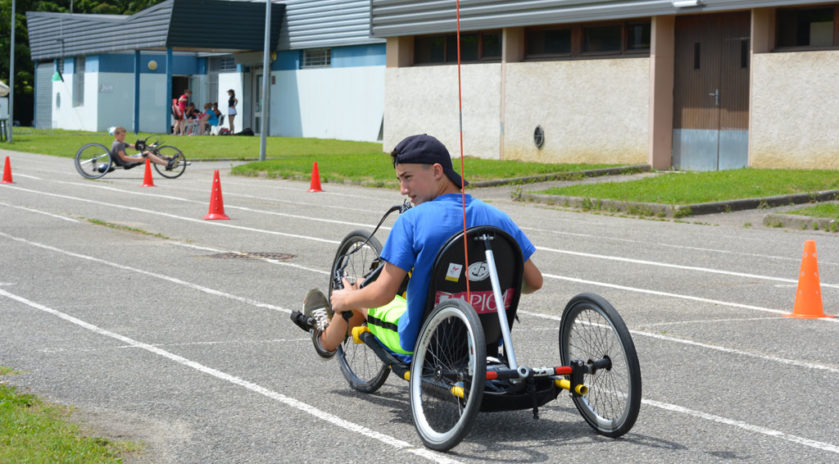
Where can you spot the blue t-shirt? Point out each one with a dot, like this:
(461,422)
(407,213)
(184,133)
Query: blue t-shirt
(213,119)
(419,234)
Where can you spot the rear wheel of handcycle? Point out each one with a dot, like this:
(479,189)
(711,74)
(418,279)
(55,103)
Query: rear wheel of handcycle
(362,368)
(168,152)
(448,373)
(93,160)
(591,330)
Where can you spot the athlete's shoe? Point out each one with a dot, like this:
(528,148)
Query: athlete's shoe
(318,313)
(171,164)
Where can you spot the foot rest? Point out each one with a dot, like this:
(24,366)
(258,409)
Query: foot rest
(301,320)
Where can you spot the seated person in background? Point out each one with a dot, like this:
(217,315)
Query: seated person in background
(216,110)
(120,158)
(192,116)
(208,118)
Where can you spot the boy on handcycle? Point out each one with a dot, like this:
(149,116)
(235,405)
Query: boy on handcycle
(424,169)
(120,158)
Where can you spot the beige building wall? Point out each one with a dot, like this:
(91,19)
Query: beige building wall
(423,99)
(592,111)
(794,122)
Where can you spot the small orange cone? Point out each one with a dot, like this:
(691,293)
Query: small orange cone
(315,184)
(147,179)
(7,172)
(808,297)
(216,203)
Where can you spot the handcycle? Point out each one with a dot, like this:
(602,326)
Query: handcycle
(94,160)
(464,360)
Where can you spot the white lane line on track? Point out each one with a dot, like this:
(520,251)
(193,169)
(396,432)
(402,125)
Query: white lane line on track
(173,216)
(676,295)
(31,210)
(675,266)
(746,426)
(676,408)
(796,259)
(286,400)
(548,249)
(684,341)
(229,206)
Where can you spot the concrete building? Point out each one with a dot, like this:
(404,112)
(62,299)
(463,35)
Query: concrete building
(687,84)
(97,71)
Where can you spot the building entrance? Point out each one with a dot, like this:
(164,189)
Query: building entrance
(711,92)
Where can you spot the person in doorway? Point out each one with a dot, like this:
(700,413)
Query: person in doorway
(183,101)
(120,158)
(424,169)
(231,109)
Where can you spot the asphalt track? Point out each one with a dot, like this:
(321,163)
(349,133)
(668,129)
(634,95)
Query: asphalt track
(174,338)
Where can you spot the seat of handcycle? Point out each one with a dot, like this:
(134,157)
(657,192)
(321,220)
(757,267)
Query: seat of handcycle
(117,161)
(449,281)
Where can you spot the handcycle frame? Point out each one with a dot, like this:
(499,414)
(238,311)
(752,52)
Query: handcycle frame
(603,380)
(94,160)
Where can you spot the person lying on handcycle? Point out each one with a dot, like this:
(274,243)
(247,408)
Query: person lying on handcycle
(120,158)
(424,169)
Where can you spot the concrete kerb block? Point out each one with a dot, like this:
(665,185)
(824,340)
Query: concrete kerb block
(629,169)
(662,210)
(793,221)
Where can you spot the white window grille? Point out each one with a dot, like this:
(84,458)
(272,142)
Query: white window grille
(317,58)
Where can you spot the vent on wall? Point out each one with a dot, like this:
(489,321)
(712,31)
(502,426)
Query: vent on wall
(539,137)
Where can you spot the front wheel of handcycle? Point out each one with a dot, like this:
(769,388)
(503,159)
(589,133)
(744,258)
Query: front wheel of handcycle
(168,152)
(358,255)
(93,160)
(448,373)
(591,331)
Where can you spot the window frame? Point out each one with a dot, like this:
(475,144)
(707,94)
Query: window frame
(802,48)
(453,37)
(307,56)
(578,41)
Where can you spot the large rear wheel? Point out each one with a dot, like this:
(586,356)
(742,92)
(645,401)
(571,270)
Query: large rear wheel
(591,331)
(93,160)
(357,256)
(448,373)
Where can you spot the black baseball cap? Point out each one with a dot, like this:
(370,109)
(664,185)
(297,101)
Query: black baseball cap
(425,149)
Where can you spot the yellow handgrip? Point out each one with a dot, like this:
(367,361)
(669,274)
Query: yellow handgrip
(457,390)
(356,333)
(565,384)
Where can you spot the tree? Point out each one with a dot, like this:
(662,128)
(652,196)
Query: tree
(24,67)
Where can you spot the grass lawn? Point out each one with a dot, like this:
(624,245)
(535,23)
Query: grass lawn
(684,188)
(377,170)
(824,210)
(288,157)
(33,431)
(65,143)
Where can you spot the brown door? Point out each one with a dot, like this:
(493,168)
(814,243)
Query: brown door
(711,94)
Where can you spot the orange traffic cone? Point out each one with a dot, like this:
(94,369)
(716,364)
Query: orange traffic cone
(808,297)
(7,172)
(147,179)
(216,203)
(315,184)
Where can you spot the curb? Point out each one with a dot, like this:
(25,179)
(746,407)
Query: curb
(793,221)
(633,168)
(662,210)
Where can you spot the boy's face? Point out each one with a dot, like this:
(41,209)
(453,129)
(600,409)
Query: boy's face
(119,136)
(418,181)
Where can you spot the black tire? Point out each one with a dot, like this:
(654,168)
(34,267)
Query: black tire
(93,160)
(362,368)
(168,152)
(592,330)
(450,352)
